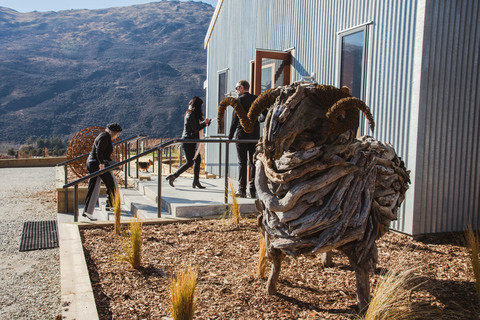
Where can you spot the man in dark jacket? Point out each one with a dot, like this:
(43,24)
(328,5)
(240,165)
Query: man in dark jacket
(244,149)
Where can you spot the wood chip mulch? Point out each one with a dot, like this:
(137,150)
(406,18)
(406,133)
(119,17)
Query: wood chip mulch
(226,257)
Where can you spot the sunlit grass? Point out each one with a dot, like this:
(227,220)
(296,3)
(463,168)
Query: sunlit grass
(117,213)
(182,292)
(473,244)
(391,299)
(262,259)
(234,208)
(132,250)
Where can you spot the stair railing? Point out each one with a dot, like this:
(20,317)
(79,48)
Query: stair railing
(158,148)
(65,163)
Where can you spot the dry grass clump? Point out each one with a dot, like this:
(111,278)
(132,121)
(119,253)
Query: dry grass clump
(133,249)
(117,212)
(473,244)
(262,259)
(234,208)
(390,300)
(182,292)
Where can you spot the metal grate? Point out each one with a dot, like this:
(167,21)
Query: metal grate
(39,235)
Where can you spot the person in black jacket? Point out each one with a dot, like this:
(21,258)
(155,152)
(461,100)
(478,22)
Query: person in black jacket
(98,159)
(236,130)
(193,123)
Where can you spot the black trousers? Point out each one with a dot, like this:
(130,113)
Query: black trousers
(245,152)
(93,192)
(189,150)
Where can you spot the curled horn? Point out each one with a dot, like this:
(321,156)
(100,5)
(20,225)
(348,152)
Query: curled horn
(265,100)
(347,108)
(229,101)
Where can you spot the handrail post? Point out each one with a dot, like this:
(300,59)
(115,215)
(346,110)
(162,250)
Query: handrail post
(220,160)
(159,185)
(66,190)
(170,160)
(75,203)
(127,164)
(226,171)
(138,152)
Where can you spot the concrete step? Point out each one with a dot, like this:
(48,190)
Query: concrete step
(141,205)
(183,201)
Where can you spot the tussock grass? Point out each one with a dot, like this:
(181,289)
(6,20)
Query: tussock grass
(182,292)
(390,300)
(262,259)
(117,212)
(234,208)
(133,248)
(473,244)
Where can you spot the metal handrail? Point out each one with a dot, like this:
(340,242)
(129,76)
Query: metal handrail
(159,163)
(64,164)
(142,136)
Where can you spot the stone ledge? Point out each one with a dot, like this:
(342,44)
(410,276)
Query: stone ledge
(31,162)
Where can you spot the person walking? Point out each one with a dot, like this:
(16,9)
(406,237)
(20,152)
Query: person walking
(194,122)
(99,159)
(245,151)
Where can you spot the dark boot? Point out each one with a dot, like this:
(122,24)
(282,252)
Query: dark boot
(196,184)
(170,179)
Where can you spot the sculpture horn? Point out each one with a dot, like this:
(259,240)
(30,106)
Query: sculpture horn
(265,100)
(348,109)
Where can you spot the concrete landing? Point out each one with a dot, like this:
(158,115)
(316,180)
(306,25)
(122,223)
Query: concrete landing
(183,201)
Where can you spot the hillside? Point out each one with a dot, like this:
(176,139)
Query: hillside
(64,71)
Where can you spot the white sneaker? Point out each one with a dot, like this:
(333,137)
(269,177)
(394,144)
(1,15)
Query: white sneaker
(89,216)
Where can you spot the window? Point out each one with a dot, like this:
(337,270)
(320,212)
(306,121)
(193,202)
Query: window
(222,85)
(352,58)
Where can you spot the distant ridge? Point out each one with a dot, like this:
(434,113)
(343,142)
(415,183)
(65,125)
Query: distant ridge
(67,70)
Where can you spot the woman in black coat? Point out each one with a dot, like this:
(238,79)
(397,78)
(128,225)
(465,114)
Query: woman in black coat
(193,123)
(99,159)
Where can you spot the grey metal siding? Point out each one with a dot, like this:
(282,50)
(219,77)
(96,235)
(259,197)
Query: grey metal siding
(442,148)
(449,150)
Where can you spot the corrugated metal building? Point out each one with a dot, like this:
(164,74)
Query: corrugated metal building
(415,64)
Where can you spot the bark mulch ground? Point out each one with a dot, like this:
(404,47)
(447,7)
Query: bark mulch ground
(226,257)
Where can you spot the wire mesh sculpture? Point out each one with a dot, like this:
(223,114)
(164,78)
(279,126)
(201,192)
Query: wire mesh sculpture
(81,144)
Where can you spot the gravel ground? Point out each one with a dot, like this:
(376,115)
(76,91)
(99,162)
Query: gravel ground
(29,281)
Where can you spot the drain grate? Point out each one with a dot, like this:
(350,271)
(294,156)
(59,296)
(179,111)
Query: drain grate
(39,235)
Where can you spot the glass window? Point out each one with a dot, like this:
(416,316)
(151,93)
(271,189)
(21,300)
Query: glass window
(352,61)
(222,86)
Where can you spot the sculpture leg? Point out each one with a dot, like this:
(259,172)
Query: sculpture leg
(363,288)
(362,274)
(275,256)
(327,259)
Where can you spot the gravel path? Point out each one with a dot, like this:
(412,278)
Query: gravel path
(29,281)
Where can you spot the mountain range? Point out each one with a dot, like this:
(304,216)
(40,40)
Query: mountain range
(64,71)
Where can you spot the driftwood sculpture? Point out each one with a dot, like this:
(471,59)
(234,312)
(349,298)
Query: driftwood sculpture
(319,188)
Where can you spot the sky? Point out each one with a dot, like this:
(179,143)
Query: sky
(58,5)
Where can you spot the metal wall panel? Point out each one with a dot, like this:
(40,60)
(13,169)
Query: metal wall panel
(445,179)
(449,150)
